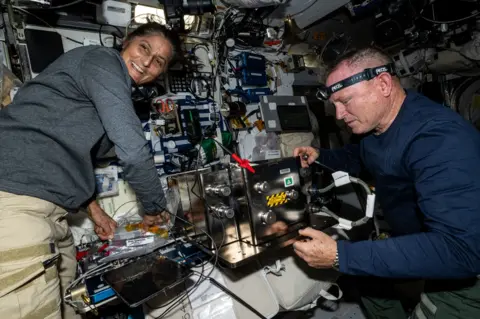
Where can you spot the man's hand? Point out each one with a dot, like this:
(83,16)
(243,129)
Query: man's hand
(104,225)
(319,252)
(149,221)
(306,151)
(277,228)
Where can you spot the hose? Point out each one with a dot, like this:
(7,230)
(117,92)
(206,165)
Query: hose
(321,190)
(352,224)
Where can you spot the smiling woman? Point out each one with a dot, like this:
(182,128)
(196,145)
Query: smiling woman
(148,50)
(61,122)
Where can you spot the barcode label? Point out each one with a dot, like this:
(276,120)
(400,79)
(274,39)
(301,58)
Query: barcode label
(139,241)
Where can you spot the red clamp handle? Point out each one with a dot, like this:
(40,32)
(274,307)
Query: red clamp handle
(243,163)
(81,254)
(103,247)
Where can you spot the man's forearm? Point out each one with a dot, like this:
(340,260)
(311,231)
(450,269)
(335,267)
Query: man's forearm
(422,255)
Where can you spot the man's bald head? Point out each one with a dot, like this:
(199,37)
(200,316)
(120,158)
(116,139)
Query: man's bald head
(361,59)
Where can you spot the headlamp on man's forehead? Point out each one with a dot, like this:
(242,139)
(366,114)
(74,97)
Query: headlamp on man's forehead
(324,92)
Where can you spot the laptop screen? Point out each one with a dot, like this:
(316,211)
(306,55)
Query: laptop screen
(294,118)
(145,278)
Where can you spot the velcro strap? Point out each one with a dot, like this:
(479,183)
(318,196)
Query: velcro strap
(19,278)
(424,300)
(45,311)
(325,294)
(51,273)
(418,313)
(26,252)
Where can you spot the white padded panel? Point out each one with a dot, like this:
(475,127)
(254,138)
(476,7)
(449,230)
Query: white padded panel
(299,284)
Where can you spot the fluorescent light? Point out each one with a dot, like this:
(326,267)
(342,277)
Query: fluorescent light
(189,21)
(144,13)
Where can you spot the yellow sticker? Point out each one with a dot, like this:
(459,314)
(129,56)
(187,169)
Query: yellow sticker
(276,199)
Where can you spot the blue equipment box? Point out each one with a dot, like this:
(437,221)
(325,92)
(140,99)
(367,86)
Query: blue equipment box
(253,95)
(98,290)
(254,78)
(251,61)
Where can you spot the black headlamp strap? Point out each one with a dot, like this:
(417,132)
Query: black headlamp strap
(365,75)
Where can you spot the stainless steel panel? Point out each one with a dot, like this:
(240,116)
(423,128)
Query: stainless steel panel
(192,206)
(248,233)
(282,177)
(244,221)
(221,228)
(239,253)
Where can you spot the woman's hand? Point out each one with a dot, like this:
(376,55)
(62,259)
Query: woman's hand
(104,225)
(149,220)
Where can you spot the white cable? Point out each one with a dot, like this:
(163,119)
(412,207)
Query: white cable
(342,178)
(450,21)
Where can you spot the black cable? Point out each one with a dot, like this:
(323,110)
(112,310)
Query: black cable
(324,166)
(212,79)
(100,34)
(248,24)
(75,41)
(174,299)
(234,69)
(215,255)
(305,9)
(473,15)
(197,168)
(109,25)
(199,281)
(66,5)
(167,304)
(45,22)
(251,113)
(155,145)
(216,247)
(223,147)
(178,301)
(203,78)
(207,85)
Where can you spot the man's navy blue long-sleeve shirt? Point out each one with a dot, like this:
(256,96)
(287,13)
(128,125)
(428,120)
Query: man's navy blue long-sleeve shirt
(427,172)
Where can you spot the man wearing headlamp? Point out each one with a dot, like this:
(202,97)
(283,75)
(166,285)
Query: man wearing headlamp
(424,159)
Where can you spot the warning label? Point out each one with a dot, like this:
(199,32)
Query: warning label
(277,199)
